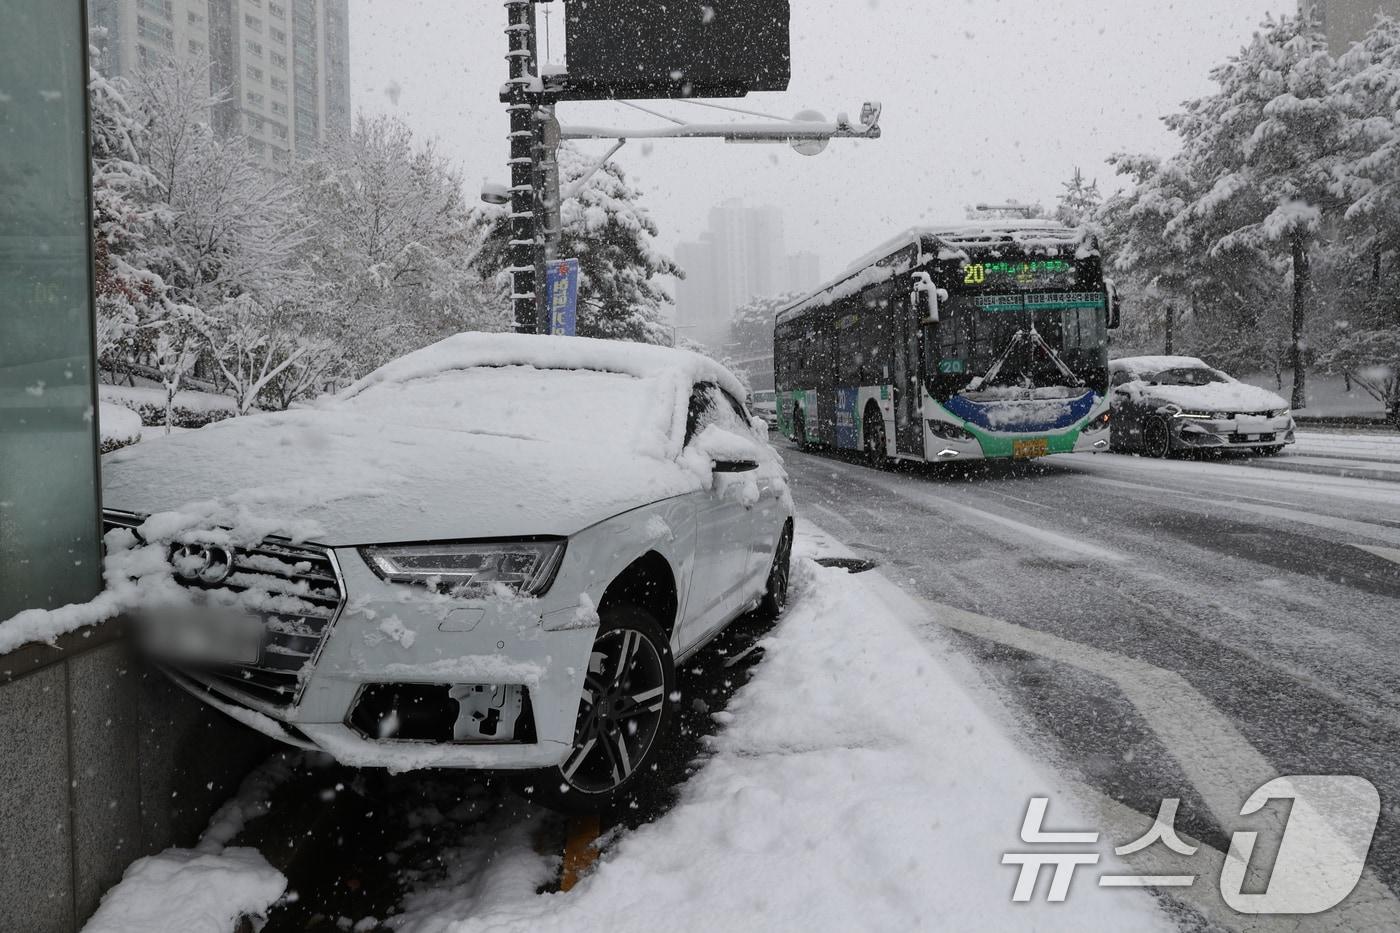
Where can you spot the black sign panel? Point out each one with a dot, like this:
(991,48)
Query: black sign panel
(676,48)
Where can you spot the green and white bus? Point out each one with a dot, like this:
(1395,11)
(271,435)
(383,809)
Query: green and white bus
(975,341)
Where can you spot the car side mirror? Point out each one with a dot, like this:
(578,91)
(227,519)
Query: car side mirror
(735,466)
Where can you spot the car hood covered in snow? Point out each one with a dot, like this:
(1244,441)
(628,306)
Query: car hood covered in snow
(340,477)
(1217,396)
(478,436)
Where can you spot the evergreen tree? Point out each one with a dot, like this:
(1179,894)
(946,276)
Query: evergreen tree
(1080,200)
(1265,149)
(613,237)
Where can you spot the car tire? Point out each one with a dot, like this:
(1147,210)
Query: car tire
(1156,438)
(874,442)
(631,669)
(775,595)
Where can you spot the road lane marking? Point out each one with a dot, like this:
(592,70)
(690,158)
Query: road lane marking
(1053,542)
(1216,758)
(1350,526)
(1387,553)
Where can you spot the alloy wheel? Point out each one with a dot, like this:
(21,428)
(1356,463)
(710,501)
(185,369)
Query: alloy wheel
(779,577)
(1156,438)
(621,711)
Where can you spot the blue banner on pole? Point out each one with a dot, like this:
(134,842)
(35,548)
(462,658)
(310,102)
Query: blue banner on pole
(561,297)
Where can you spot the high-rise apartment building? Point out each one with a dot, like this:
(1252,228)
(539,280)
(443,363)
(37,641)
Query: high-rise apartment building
(283,65)
(1346,21)
(741,256)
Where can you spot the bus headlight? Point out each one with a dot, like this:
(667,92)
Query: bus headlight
(950,432)
(1098,424)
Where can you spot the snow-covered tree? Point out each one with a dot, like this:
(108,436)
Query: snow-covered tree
(1079,201)
(751,326)
(1365,259)
(233,227)
(1180,294)
(253,343)
(393,244)
(613,237)
(174,348)
(1265,149)
(126,211)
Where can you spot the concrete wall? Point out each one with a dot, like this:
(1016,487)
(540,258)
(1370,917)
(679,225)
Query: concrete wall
(102,761)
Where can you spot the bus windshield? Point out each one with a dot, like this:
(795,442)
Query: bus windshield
(1010,338)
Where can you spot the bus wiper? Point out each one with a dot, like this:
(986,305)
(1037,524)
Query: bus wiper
(1034,338)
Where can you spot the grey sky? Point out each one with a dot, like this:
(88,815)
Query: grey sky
(984,99)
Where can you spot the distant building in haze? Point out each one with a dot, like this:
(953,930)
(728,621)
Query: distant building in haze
(285,64)
(1346,21)
(742,255)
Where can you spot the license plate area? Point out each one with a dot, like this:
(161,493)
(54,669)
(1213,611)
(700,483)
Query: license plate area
(1030,448)
(202,635)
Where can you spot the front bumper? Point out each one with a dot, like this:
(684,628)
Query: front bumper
(1232,433)
(404,638)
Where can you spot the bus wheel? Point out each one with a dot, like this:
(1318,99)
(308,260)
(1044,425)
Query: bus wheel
(1156,438)
(875,450)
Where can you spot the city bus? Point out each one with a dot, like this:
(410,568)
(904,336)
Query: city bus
(967,342)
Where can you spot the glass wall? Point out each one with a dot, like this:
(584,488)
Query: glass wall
(49,510)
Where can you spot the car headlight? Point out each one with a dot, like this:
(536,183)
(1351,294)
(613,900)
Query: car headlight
(1194,415)
(470,569)
(1281,413)
(1222,415)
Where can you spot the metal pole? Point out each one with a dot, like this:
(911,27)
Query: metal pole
(516,95)
(544,179)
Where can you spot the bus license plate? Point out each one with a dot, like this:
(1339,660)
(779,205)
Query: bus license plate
(1030,449)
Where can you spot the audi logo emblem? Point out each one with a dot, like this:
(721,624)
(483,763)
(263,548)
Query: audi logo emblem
(202,563)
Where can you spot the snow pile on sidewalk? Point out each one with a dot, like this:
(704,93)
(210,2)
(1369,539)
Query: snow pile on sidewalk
(184,891)
(855,787)
(206,889)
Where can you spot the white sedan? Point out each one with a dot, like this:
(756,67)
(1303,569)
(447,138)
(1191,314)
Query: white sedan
(1169,404)
(489,554)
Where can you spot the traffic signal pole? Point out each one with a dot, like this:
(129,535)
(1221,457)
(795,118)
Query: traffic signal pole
(534,196)
(527,305)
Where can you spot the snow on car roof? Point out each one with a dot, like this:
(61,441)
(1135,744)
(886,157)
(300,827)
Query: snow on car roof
(471,350)
(1156,364)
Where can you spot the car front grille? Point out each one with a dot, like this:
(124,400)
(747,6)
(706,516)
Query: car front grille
(306,594)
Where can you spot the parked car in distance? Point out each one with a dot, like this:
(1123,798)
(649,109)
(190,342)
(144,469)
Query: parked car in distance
(765,405)
(514,541)
(1169,404)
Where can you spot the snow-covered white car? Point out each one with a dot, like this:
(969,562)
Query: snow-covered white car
(1166,404)
(489,554)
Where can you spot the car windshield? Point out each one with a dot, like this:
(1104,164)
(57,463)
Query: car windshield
(580,407)
(1186,376)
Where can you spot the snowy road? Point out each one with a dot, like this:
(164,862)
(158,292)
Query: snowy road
(1271,586)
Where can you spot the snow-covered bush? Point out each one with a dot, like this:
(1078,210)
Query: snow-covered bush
(118,426)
